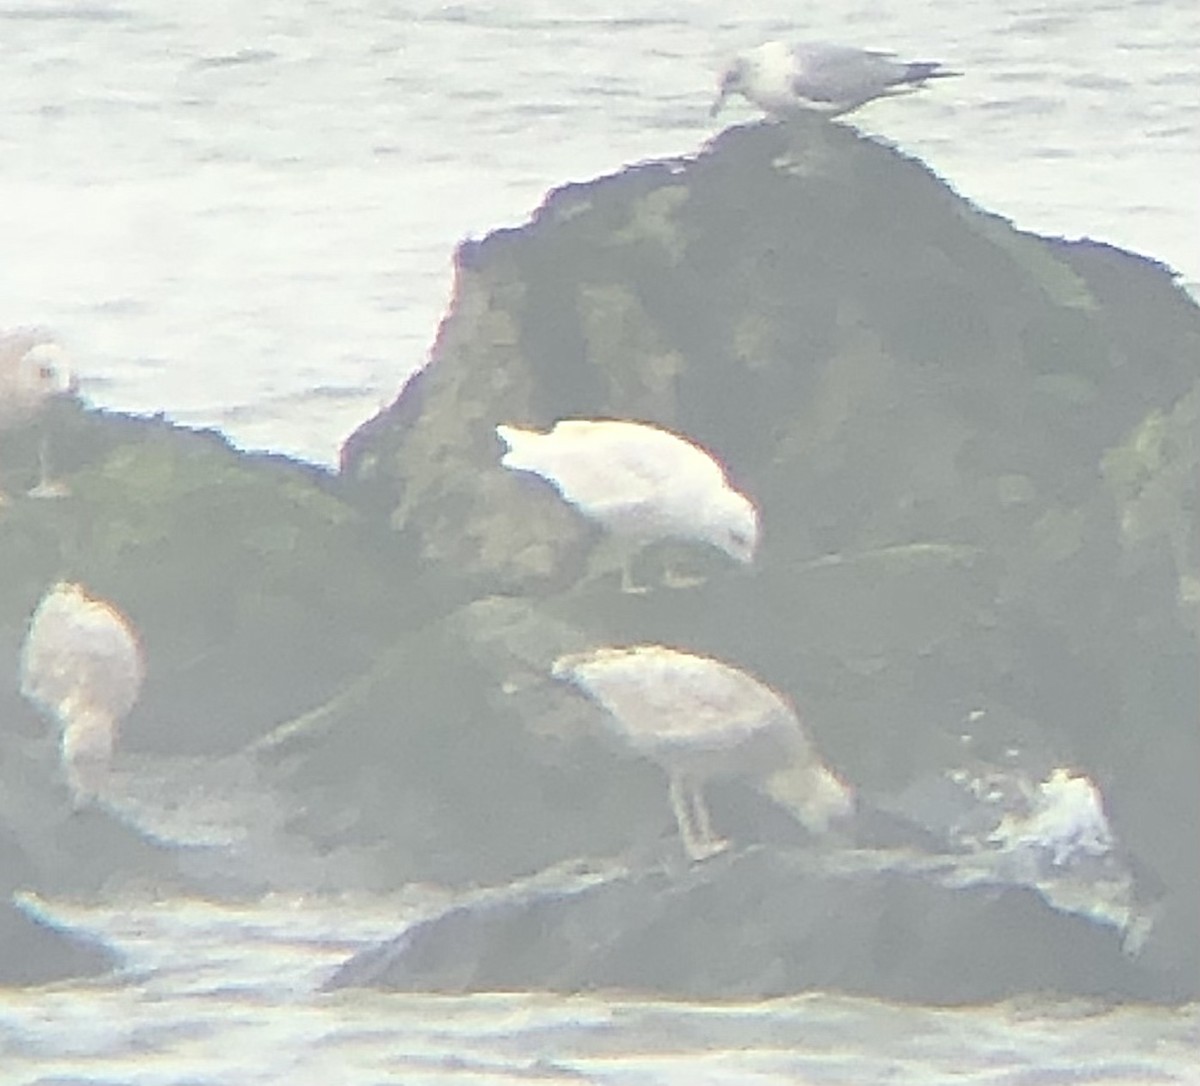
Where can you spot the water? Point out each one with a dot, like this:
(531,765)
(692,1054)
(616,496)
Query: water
(220,994)
(243,215)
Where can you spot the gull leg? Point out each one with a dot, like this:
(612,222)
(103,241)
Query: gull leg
(623,554)
(47,487)
(628,585)
(683,817)
(712,843)
(615,554)
(673,578)
(691,815)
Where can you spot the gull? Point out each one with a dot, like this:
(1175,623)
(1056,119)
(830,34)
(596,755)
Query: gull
(639,482)
(786,80)
(34,369)
(700,718)
(82,665)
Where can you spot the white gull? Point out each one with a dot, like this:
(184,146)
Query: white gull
(82,665)
(700,718)
(33,370)
(785,80)
(639,482)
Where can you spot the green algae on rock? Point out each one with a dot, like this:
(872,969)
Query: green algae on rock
(973,450)
(927,405)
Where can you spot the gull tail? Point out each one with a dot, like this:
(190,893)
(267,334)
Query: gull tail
(920,71)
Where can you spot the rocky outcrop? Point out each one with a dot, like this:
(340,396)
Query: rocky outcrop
(256,591)
(33,953)
(974,452)
(765,923)
(49,847)
(973,449)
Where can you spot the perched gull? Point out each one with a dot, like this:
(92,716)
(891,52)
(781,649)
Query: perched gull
(699,718)
(639,482)
(33,369)
(832,79)
(82,664)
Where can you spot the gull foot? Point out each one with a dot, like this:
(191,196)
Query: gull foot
(700,851)
(674,579)
(50,489)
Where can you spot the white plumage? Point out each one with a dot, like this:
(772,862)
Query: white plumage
(815,77)
(1065,822)
(82,665)
(638,481)
(700,718)
(33,369)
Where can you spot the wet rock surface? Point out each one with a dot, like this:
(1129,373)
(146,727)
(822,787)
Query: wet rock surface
(764,923)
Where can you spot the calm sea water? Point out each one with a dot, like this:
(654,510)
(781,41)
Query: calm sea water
(243,215)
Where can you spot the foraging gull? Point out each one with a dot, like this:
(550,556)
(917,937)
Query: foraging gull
(33,370)
(82,664)
(639,482)
(700,718)
(785,80)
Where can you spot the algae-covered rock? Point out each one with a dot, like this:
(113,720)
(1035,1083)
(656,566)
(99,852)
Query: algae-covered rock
(975,541)
(456,759)
(256,589)
(973,451)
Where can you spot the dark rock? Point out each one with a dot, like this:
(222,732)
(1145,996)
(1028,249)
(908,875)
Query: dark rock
(47,846)
(255,588)
(761,924)
(34,953)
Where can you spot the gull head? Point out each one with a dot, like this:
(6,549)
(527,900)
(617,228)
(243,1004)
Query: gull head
(46,371)
(34,370)
(816,796)
(732,526)
(733,81)
(830,801)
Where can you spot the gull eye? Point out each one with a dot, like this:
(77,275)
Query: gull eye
(46,371)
